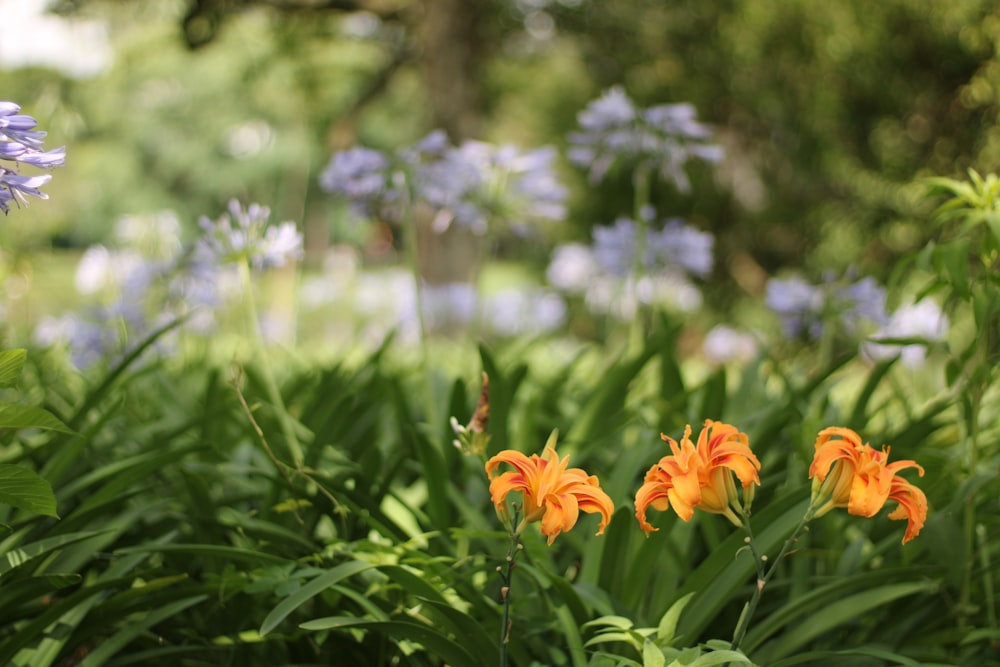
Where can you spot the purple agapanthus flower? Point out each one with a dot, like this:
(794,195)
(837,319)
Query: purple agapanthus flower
(676,246)
(665,137)
(798,304)
(685,246)
(805,309)
(20,144)
(245,234)
(468,185)
(360,175)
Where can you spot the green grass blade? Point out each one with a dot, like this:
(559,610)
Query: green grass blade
(437,644)
(840,612)
(309,591)
(136,625)
(21,555)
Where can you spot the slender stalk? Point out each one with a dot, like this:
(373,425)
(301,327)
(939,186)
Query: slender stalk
(413,257)
(506,571)
(260,352)
(641,181)
(764,573)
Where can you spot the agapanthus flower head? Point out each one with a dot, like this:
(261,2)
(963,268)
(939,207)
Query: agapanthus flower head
(468,185)
(676,248)
(680,244)
(246,234)
(360,175)
(21,144)
(552,493)
(665,137)
(806,309)
(701,476)
(847,473)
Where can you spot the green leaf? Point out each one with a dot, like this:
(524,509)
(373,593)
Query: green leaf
(136,625)
(843,611)
(652,656)
(812,657)
(11,364)
(721,658)
(21,555)
(26,490)
(668,624)
(309,591)
(16,416)
(222,552)
(445,648)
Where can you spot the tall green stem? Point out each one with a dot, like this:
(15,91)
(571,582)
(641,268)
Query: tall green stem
(764,573)
(506,572)
(641,182)
(260,353)
(413,255)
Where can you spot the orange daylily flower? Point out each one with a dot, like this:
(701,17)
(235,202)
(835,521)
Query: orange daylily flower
(551,492)
(847,473)
(701,477)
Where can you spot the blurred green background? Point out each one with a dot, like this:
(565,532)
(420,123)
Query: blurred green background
(828,111)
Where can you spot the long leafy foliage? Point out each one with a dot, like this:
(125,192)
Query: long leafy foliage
(183,539)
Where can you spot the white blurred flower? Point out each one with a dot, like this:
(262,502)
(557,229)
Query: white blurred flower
(923,320)
(157,236)
(572,267)
(103,270)
(724,344)
(517,312)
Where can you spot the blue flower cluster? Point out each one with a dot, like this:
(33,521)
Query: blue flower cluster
(21,143)
(664,137)
(604,273)
(148,279)
(470,185)
(263,245)
(805,309)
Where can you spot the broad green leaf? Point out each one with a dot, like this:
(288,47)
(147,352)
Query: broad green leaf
(445,648)
(26,490)
(652,656)
(615,636)
(620,622)
(11,364)
(720,658)
(309,591)
(668,624)
(16,416)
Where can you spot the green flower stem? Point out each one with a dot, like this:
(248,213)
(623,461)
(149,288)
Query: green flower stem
(641,182)
(413,256)
(260,352)
(506,575)
(764,573)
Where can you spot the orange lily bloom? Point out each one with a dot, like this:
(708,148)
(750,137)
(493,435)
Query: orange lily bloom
(701,477)
(551,492)
(847,473)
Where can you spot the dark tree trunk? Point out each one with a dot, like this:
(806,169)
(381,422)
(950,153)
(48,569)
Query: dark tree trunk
(451,56)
